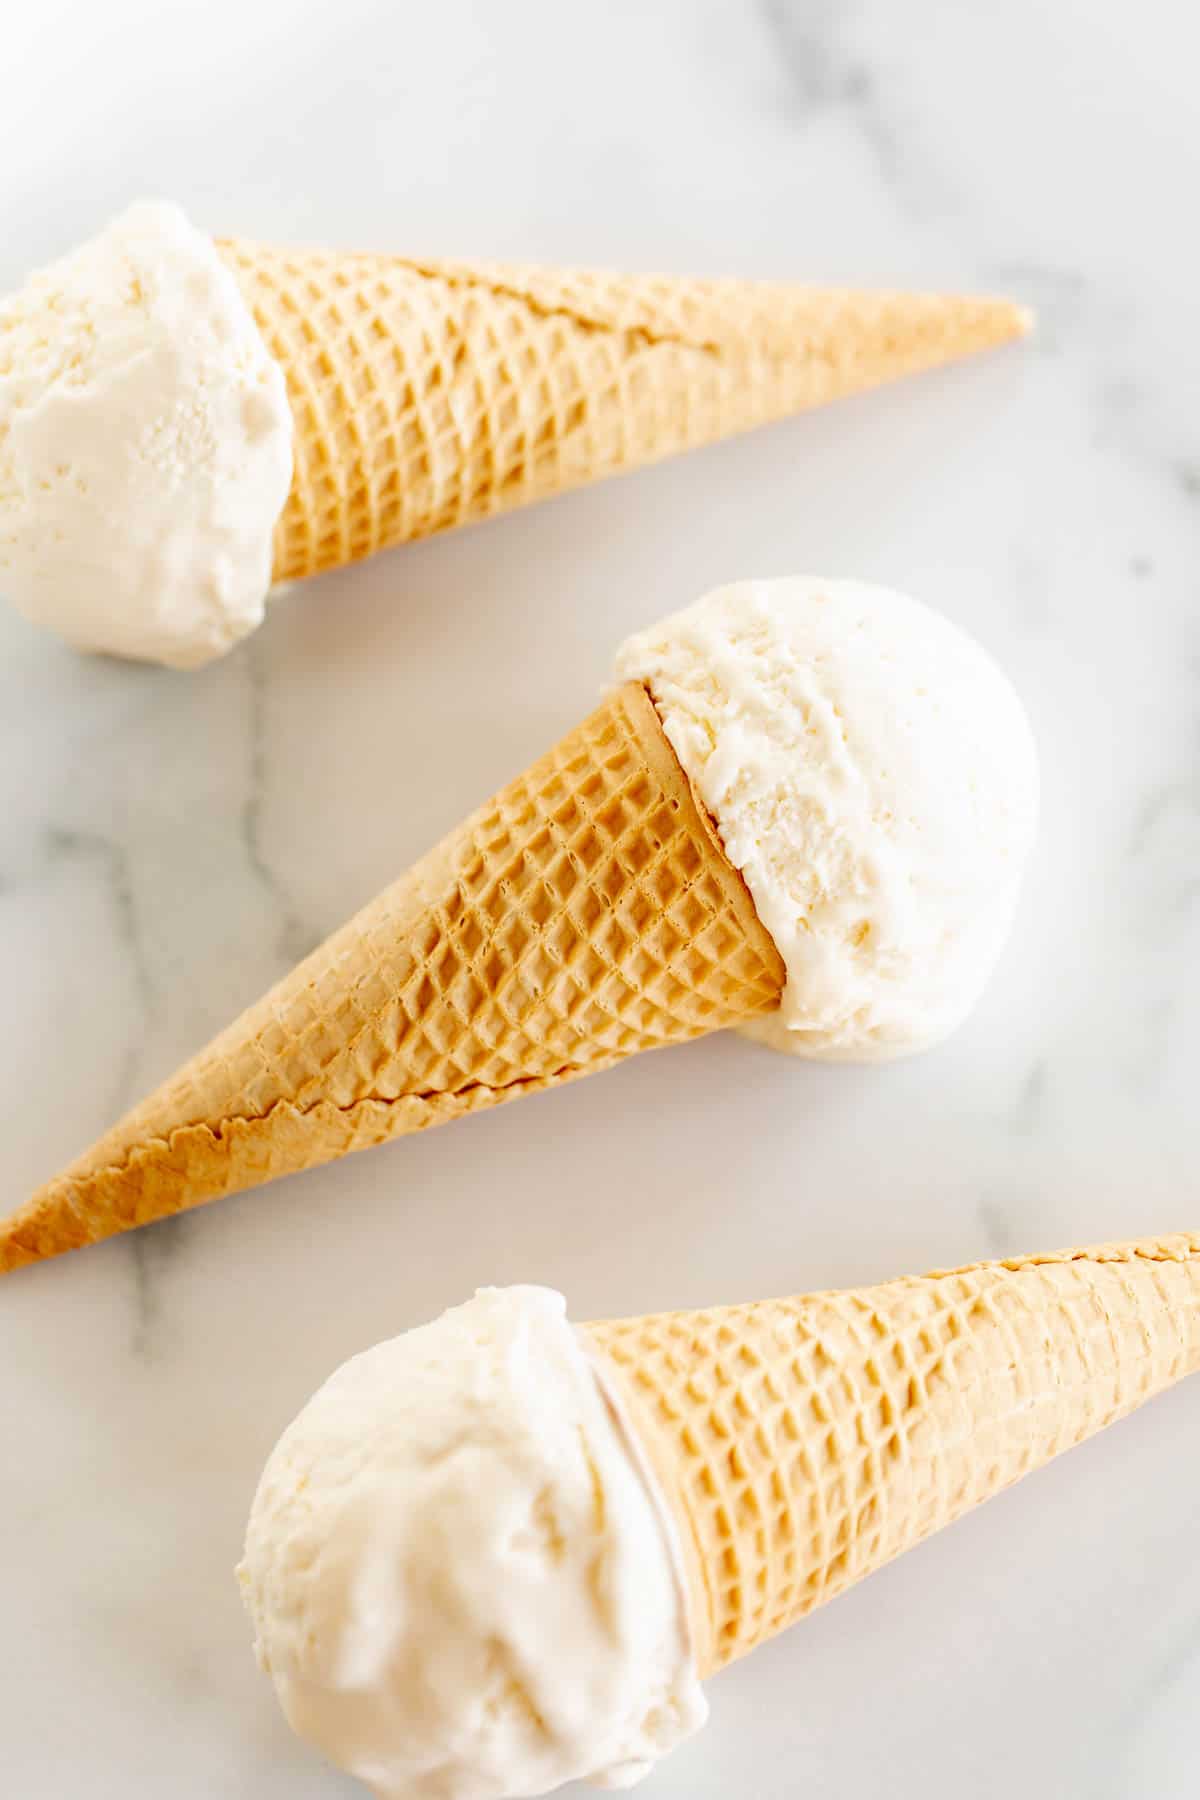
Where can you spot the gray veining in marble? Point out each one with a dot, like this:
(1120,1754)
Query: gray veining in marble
(820,75)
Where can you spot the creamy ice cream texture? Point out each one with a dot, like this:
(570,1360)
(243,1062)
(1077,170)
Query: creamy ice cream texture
(873,776)
(463,1579)
(145,446)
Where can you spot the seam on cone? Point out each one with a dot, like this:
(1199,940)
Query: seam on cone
(1020,317)
(14,1254)
(504,290)
(1185,1249)
(1172,1247)
(228,1125)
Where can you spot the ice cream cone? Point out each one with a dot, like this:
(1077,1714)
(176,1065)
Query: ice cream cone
(585,913)
(803,1443)
(428,394)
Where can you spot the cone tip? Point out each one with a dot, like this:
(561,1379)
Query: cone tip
(1024,317)
(14,1254)
(1008,319)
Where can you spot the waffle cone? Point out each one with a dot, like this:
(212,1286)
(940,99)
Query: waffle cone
(585,913)
(804,1443)
(429,394)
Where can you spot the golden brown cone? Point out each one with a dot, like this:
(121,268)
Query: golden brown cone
(804,1443)
(428,394)
(585,913)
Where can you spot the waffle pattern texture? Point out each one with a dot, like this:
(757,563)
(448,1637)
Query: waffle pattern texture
(585,913)
(804,1443)
(429,394)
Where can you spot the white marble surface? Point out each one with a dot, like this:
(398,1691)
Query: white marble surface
(167,844)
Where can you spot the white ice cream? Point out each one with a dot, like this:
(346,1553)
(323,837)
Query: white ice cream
(464,1583)
(145,446)
(874,777)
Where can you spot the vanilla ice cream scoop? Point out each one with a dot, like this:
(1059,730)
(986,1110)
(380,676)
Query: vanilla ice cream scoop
(145,446)
(873,776)
(464,1580)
